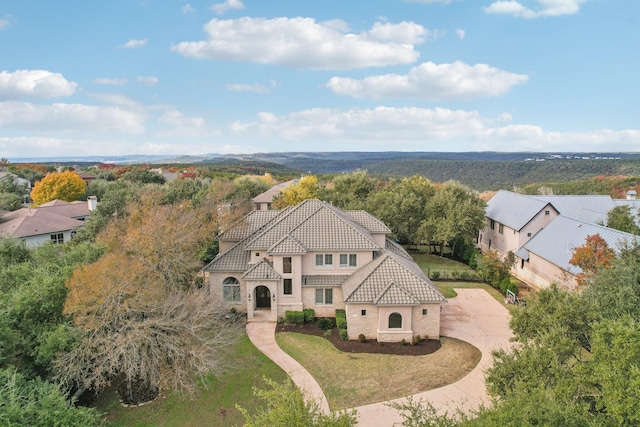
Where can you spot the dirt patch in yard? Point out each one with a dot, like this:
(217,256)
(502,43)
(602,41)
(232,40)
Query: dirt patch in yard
(369,346)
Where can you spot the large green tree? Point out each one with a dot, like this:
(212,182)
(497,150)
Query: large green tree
(454,214)
(351,190)
(622,219)
(402,206)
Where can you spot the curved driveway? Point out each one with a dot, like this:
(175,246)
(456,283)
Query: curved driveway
(473,316)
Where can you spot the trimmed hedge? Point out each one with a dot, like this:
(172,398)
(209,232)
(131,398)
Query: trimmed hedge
(325,323)
(341,319)
(309,315)
(294,317)
(344,335)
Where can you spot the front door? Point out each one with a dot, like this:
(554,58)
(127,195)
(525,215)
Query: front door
(263,297)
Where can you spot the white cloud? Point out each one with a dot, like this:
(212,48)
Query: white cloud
(40,84)
(132,44)
(176,119)
(4,23)
(256,87)
(68,118)
(433,82)
(305,43)
(221,8)
(423,129)
(460,33)
(545,8)
(116,99)
(148,80)
(187,8)
(110,82)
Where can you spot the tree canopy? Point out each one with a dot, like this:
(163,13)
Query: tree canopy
(67,186)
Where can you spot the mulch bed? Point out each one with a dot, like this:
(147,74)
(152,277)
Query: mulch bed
(369,346)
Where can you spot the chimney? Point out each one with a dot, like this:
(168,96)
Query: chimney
(92,202)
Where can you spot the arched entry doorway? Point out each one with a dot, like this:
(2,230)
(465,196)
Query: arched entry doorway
(263,297)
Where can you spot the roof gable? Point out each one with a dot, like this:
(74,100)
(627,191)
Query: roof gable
(372,282)
(557,241)
(286,246)
(513,210)
(262,271)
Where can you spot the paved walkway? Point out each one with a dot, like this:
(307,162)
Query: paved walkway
(262,335)
(473,316)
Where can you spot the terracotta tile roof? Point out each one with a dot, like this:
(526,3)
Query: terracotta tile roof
(324,279)
(235,259)
(397,249)
(368,221)
(262,271)
(248,225)
(394,294)
(372,283)
(316,226)
(286,246)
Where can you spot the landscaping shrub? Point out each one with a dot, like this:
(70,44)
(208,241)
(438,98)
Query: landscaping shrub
(416,340)
(403,342)
(341,319)
(328,332)
(325,323)
(508,285)
(309,315)
(435,275)
(344,335)
(294,317)
(362,338)
(455,274)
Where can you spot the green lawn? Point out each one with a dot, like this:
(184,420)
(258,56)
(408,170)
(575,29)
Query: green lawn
(214,406)
(355,379)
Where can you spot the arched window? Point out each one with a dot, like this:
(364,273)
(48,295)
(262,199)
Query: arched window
(231,289)
(395,321)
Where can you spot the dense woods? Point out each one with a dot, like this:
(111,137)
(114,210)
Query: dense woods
(123,302)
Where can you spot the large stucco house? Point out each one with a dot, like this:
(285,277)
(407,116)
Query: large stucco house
(314,255)
(543,232)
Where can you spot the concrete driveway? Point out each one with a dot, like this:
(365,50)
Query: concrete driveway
(473,316)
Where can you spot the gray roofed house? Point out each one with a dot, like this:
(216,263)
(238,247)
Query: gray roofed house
(55,221)
(314,255)
(543,231)
(545,258)
(262,201)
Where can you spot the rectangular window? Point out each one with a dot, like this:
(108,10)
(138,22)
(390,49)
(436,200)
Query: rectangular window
(547,212)
(528,234)
(424,311)
(348,260)
(324,260)
(288,286)
(286,264)
(57,238)
(363,312)
(324,296)
(231,293)
(501,229)
(493,225)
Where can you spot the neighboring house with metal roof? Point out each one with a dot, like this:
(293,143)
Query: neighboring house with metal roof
(512,219)
(55,221)
(543,231)
(545,258)
(262,201)
(314,255)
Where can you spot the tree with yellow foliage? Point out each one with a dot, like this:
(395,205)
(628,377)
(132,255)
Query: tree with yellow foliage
(67,186)
(306,188)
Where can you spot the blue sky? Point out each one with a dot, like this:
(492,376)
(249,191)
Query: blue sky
(243,76)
